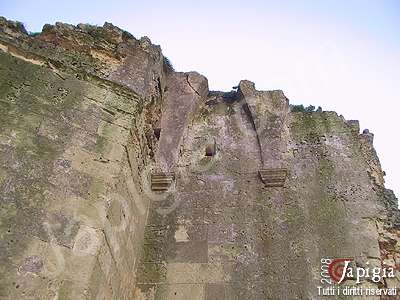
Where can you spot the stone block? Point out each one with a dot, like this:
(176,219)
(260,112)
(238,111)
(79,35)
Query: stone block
(162,181)
(275,177)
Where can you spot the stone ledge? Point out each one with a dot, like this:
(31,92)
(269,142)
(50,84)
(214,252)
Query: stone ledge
(275,177)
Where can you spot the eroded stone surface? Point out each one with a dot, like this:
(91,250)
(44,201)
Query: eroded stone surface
(89,113)
(184,94)
(264,242)
(73,149)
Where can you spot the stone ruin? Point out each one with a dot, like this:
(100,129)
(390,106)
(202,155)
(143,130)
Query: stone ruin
(123,179)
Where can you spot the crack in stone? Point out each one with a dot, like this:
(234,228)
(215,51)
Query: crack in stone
(101,104)
(111,251)
(194,90)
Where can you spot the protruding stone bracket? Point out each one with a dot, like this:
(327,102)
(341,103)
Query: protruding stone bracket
(161,182)
(275,177)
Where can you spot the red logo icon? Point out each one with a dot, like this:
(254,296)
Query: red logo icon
(337,268)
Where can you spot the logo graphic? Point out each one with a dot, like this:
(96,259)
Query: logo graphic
(337,269)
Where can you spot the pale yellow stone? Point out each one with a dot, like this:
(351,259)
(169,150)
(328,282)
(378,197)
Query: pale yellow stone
(197,273)
(181,292)
(113,132)
(89,163)
(87,241)
(181,234)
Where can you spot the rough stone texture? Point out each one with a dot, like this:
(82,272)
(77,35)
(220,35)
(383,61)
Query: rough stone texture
(269,112)
(74,143)
(183,96)
(223,235)
(89,113)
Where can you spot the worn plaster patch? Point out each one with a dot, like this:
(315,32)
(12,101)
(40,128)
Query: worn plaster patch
(181,234)
(87,241)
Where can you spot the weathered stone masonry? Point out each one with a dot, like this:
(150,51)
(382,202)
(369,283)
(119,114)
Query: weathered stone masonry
(77,105)
(250,195)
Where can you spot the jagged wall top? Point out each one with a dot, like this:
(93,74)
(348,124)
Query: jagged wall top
(106,52)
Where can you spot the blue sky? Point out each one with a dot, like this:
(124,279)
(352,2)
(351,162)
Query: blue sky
(341,55)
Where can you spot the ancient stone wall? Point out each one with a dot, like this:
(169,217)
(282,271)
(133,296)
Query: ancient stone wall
(76,139)
(250,195)
(222,233)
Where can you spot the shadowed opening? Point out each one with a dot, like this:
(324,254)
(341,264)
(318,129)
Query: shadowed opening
(157,132)
(210,150)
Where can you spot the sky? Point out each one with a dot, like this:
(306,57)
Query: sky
(340,55)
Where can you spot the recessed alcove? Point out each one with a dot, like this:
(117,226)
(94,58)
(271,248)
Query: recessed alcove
(210,150)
